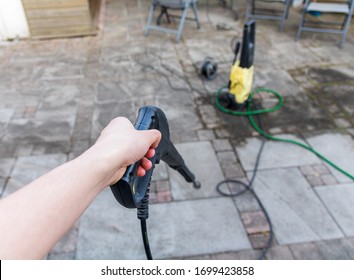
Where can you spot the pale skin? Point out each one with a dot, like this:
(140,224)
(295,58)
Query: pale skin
(34,218)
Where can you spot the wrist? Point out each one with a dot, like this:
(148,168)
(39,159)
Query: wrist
(103,167)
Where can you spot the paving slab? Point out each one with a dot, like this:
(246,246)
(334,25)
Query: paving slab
(339,200)
(277,79)
(200,158)
(6,114)
(279,253)
(29,168)
(332,250)
(275,154)
(176,229)
(6,165)
(348,244)
(338,148)
(295,210)
(306,251)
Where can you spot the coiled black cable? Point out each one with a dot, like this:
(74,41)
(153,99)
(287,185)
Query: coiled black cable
(249,188)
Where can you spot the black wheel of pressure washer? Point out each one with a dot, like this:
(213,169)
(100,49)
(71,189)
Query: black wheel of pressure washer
(209,68)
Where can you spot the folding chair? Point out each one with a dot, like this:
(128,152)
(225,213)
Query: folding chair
(343,8)
(182,5)
(268,13)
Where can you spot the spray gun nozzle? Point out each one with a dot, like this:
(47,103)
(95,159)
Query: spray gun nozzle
(197,185)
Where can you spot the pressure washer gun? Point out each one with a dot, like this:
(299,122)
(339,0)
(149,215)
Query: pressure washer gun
(132,191)
(241,76)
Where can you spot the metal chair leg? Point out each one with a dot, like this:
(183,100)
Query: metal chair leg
(285,15)
(298,34)
(181,25)
(196,13)
(151,13)
(248,10)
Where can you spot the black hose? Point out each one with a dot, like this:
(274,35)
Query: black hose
(145,239)
(249,188)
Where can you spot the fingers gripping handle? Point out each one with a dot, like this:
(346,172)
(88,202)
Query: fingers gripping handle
(130,190)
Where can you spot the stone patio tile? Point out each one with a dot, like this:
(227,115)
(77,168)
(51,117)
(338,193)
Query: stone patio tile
(2,185)
(339,200)
(338,148)
(205,134)
(6,114)
(296,212)
(176,229)
(306,251)
(200,158)
(332,250)
(277,79)
(280,253)
(275,154)
(6,165)
(222,145)
(348,244)
(31,167)
(255,222)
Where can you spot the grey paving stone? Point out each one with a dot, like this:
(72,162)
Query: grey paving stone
(348,244)
(339,200)
(307,170)
(2,185)
(176,229)
(279,253)
(342,123)
(202,161)
(339,148)
(209,116)
(160,172)
(205,135)
(41,130)
(314,180)
(6,165)
(248,255)
(246,202)
(275,154)
(8,150)
(222,145)
(321,169)
(224,256)
(227,157)
(28,168)
(294,208)
(62,70)
(329,179)
(6,114)
(277,79)
(259,240)
(306,251)
(163,186)
(233,170)
(332,250)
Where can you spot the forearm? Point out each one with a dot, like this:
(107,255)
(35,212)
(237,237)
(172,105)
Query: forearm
(33,219)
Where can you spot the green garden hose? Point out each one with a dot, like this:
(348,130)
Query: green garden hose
(250,114)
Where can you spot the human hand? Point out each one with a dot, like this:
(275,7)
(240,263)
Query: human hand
(121,145)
